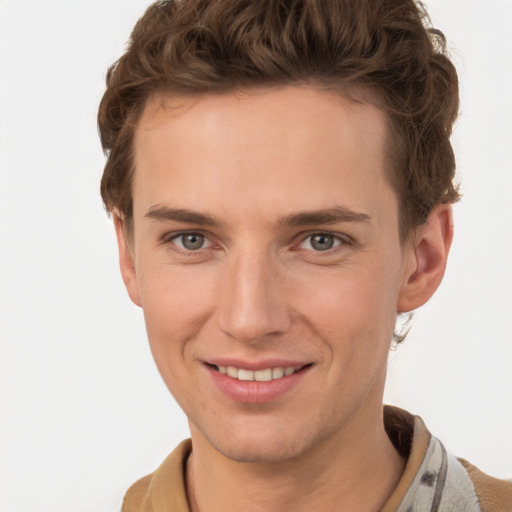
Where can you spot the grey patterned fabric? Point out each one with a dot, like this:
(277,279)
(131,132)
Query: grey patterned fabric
(441,485)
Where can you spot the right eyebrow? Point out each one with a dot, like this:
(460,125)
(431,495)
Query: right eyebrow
(326,216)
(165,213)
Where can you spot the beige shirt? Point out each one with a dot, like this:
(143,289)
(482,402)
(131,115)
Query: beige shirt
(433,480)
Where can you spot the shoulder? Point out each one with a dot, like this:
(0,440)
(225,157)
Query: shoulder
(136,494)
(494,495)
(164,489)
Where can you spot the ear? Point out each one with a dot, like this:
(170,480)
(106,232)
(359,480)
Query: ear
(126,260)
(426,256)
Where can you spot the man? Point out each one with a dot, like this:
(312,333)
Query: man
(281,178)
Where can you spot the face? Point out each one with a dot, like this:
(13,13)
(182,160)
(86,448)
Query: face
(267,260)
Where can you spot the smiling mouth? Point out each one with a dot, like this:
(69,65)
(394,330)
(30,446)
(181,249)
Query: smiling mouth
(264,375)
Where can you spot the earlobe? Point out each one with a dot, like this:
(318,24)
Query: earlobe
(428,255)
(126,260)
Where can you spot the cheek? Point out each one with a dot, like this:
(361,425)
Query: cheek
(176,301)
(173,295)
(356,304)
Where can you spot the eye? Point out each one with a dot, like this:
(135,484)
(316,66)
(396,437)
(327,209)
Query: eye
(320,242)
(191,241)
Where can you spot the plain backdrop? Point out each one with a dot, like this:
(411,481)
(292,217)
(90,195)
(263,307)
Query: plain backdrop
(83,412)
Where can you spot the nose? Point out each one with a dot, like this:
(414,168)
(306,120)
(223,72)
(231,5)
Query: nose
(252,305)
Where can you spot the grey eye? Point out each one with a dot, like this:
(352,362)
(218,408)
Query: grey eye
(190,241)
(322,242)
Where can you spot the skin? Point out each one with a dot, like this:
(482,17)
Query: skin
(259,289)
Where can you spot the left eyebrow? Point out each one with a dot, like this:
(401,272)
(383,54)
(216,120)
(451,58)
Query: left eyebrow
(164,213)
(327,216)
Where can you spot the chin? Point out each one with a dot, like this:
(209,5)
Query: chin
(263,452)
(262,443)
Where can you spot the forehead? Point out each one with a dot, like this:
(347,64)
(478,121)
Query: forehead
(292,146)
(237,115)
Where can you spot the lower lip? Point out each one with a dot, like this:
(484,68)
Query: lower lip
(255,392)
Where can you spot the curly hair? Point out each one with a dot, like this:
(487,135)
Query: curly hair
(383,51)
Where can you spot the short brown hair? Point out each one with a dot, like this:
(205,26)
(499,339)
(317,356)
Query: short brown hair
(387,47)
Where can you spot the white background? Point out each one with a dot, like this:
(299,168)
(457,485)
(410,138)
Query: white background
(83,411)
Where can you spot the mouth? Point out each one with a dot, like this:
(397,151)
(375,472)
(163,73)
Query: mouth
(264,375)
(264,382)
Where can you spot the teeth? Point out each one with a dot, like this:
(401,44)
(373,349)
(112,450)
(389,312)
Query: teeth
(232,372)
(277,373)
(245,374)
(263,375)
(259,375)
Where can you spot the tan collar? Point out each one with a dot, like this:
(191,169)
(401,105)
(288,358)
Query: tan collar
(401,426)
(165,488)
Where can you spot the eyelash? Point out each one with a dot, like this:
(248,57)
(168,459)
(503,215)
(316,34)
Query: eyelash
(171,237)
(342,239)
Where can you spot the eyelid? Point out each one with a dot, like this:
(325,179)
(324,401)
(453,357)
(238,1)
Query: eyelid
(342,238)
(169,238)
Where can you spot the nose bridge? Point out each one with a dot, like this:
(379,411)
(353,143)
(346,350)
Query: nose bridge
(250,304)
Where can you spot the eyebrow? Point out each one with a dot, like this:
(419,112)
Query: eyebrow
(165,213)
(304,218)
(326,216)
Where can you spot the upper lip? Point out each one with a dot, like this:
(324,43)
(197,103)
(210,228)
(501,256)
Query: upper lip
(256,365)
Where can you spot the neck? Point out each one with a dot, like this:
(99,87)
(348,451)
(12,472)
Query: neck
(356,469)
